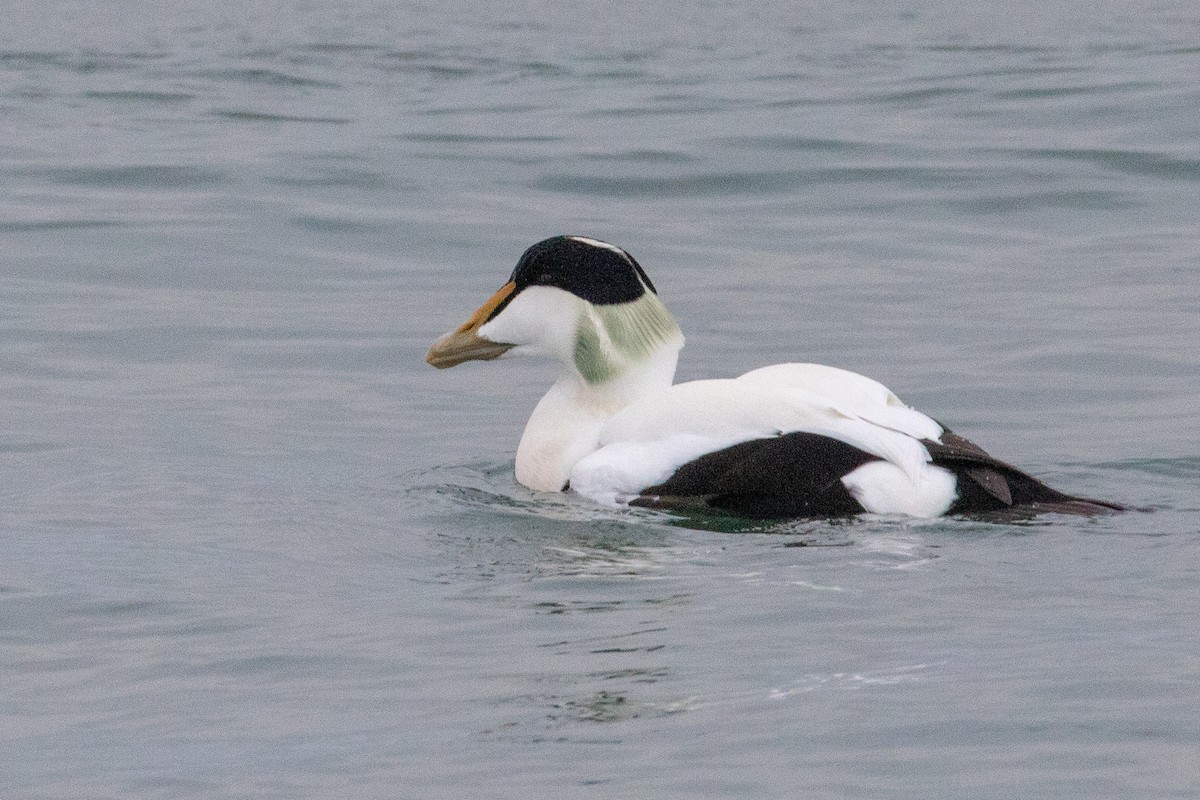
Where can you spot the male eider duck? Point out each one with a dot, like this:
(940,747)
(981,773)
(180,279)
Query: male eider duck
(790,440)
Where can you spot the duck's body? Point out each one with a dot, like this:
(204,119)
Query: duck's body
(788,440)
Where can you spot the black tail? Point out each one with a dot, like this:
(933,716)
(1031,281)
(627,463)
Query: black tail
(988,484)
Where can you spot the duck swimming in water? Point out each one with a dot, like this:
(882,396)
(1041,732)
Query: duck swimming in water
(790,440)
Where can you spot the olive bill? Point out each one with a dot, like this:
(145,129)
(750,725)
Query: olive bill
(464,343)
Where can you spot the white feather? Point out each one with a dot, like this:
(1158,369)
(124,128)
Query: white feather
(884,488)
(644,443)
(620,471)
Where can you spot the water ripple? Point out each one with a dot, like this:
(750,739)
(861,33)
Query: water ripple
(140,96)
(1134,162)
(152,176)
(267,77)
(765,182)
(1187,467)
(266,116)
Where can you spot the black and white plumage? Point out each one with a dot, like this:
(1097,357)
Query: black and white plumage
(790,440)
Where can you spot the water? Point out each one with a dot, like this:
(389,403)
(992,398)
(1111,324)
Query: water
(251,546)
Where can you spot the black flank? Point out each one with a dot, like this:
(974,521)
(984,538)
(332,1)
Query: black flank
(793,475)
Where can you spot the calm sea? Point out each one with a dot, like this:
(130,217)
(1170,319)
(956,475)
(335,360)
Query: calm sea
(251,546)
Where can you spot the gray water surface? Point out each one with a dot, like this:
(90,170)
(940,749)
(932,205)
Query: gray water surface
(251,546)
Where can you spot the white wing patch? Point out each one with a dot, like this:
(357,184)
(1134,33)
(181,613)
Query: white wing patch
(852,392)
(883,488)
(620,471)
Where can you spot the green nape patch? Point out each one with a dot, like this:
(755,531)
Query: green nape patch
(609,338)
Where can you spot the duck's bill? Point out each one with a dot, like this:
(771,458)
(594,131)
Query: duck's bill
(465,343)
(459,346)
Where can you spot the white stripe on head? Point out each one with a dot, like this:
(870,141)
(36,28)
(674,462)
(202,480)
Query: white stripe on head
(598,243)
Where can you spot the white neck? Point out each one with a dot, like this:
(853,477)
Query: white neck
(565,426)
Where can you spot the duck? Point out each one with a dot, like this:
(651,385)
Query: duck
(791,440)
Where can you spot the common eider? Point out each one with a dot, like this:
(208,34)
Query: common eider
(790,440)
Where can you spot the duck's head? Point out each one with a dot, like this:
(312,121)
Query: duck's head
(581,301)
